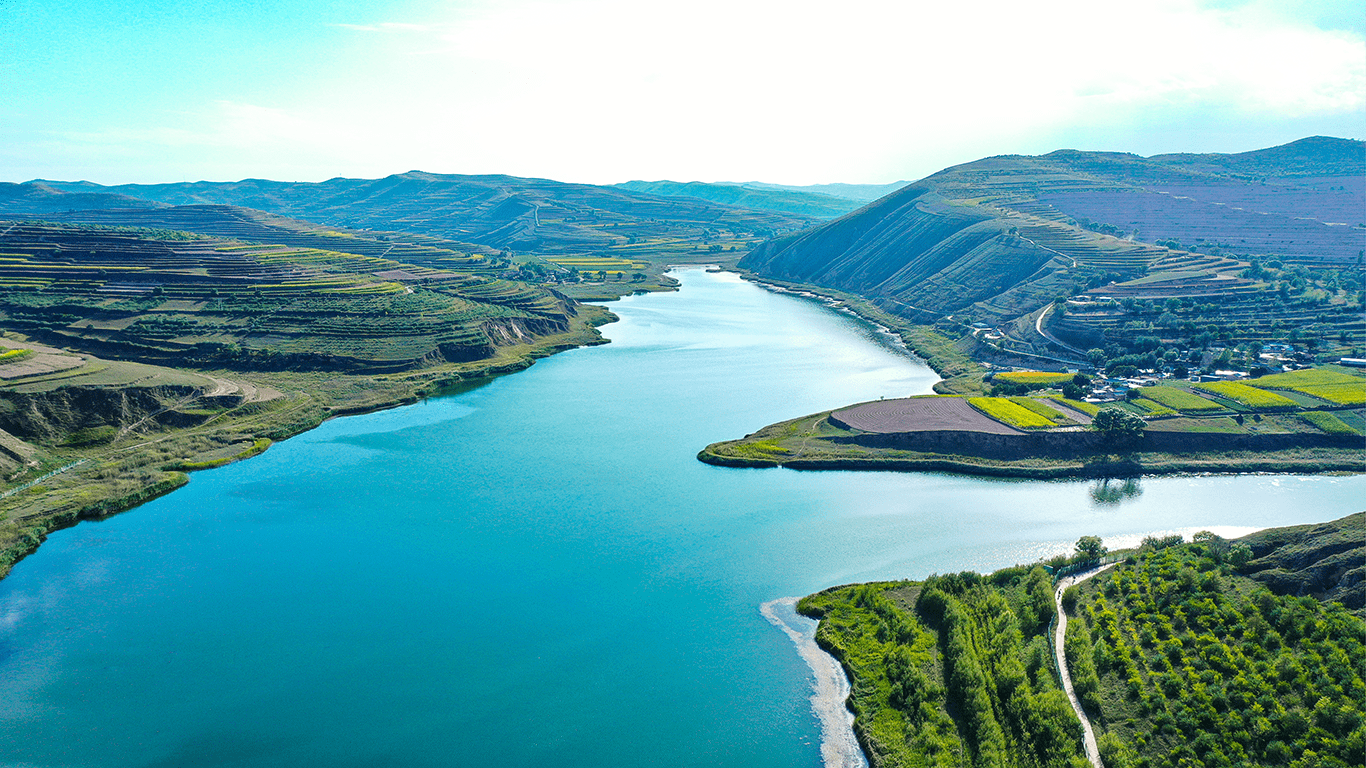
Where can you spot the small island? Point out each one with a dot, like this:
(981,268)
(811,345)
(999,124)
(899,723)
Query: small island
(1301,421)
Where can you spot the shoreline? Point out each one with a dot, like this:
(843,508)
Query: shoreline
(829,691)
(422,385)
(965,466)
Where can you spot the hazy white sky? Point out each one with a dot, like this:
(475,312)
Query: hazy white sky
(608,90)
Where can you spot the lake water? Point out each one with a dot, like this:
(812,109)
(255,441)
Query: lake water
(536,572)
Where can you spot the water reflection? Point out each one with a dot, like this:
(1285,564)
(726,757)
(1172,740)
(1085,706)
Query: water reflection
(1110,492)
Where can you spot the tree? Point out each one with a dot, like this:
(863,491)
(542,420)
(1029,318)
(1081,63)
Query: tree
(1090,549)
(1117,423)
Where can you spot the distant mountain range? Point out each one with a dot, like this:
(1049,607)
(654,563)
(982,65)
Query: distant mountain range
(822,201)
(496,211)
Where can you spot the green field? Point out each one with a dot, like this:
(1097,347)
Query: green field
(1180,399)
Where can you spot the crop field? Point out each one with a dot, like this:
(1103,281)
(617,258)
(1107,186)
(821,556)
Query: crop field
(1332,386)
(1034,378)
(1180,399)
(1090,409)
(1053,415)
(213,301)
(1243,394)
(919,414)
(1328,422)
(1007,411)
(1153,408)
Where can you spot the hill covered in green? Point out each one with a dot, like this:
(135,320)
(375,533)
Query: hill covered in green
(1179,656)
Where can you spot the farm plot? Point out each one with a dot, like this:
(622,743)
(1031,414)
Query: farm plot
(1034,378)
(1180,399)
(1007,411)
(920,414)
(1251,397)
(1332,386)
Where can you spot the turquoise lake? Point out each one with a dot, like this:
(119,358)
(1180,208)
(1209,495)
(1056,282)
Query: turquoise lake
(536,572)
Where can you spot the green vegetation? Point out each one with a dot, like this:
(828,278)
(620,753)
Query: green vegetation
(1007,411)
(1180,399)
(1328,422)
(1179,656)
(1193,664)
(1090,409)
(1250,396)
(15,355)
(952,671)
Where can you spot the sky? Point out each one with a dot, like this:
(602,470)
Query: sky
(602,91)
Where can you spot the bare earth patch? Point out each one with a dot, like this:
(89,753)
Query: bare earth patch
(44,360)
(920,414)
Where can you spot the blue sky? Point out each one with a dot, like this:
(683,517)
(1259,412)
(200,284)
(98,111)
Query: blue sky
(608,90)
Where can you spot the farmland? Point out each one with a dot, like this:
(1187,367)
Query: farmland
(1249,396)
(1013,413)
(1332,386)
(1180,400)
(1050,436)
(213,301)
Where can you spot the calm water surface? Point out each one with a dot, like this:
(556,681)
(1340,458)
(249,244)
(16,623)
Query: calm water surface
(533,573)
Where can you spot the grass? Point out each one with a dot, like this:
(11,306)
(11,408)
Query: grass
(1007,411)
(1180,399)
(1251,397)
(1328,422)
(1153,408)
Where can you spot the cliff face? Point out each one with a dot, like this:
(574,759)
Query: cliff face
(1325,561)
(51,417)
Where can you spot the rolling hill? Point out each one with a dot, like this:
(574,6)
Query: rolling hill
(503,212)
(996,240)
(793,201)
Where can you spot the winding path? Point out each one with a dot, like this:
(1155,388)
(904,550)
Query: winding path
(1059,633)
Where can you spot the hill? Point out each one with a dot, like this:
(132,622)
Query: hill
(1177,656)
(793,201)
(503,212)
(1255,244)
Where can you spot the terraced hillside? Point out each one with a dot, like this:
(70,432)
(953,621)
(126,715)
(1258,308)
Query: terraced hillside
(297,298)
(996,240)
(504,212)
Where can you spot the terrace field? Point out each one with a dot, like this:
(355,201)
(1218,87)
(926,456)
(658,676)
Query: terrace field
(288,304)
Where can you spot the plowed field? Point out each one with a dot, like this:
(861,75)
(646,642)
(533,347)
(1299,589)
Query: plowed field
(920,414)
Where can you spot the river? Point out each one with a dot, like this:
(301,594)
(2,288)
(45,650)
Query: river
(535,572)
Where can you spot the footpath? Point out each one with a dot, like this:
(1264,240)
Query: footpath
(1059,634)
